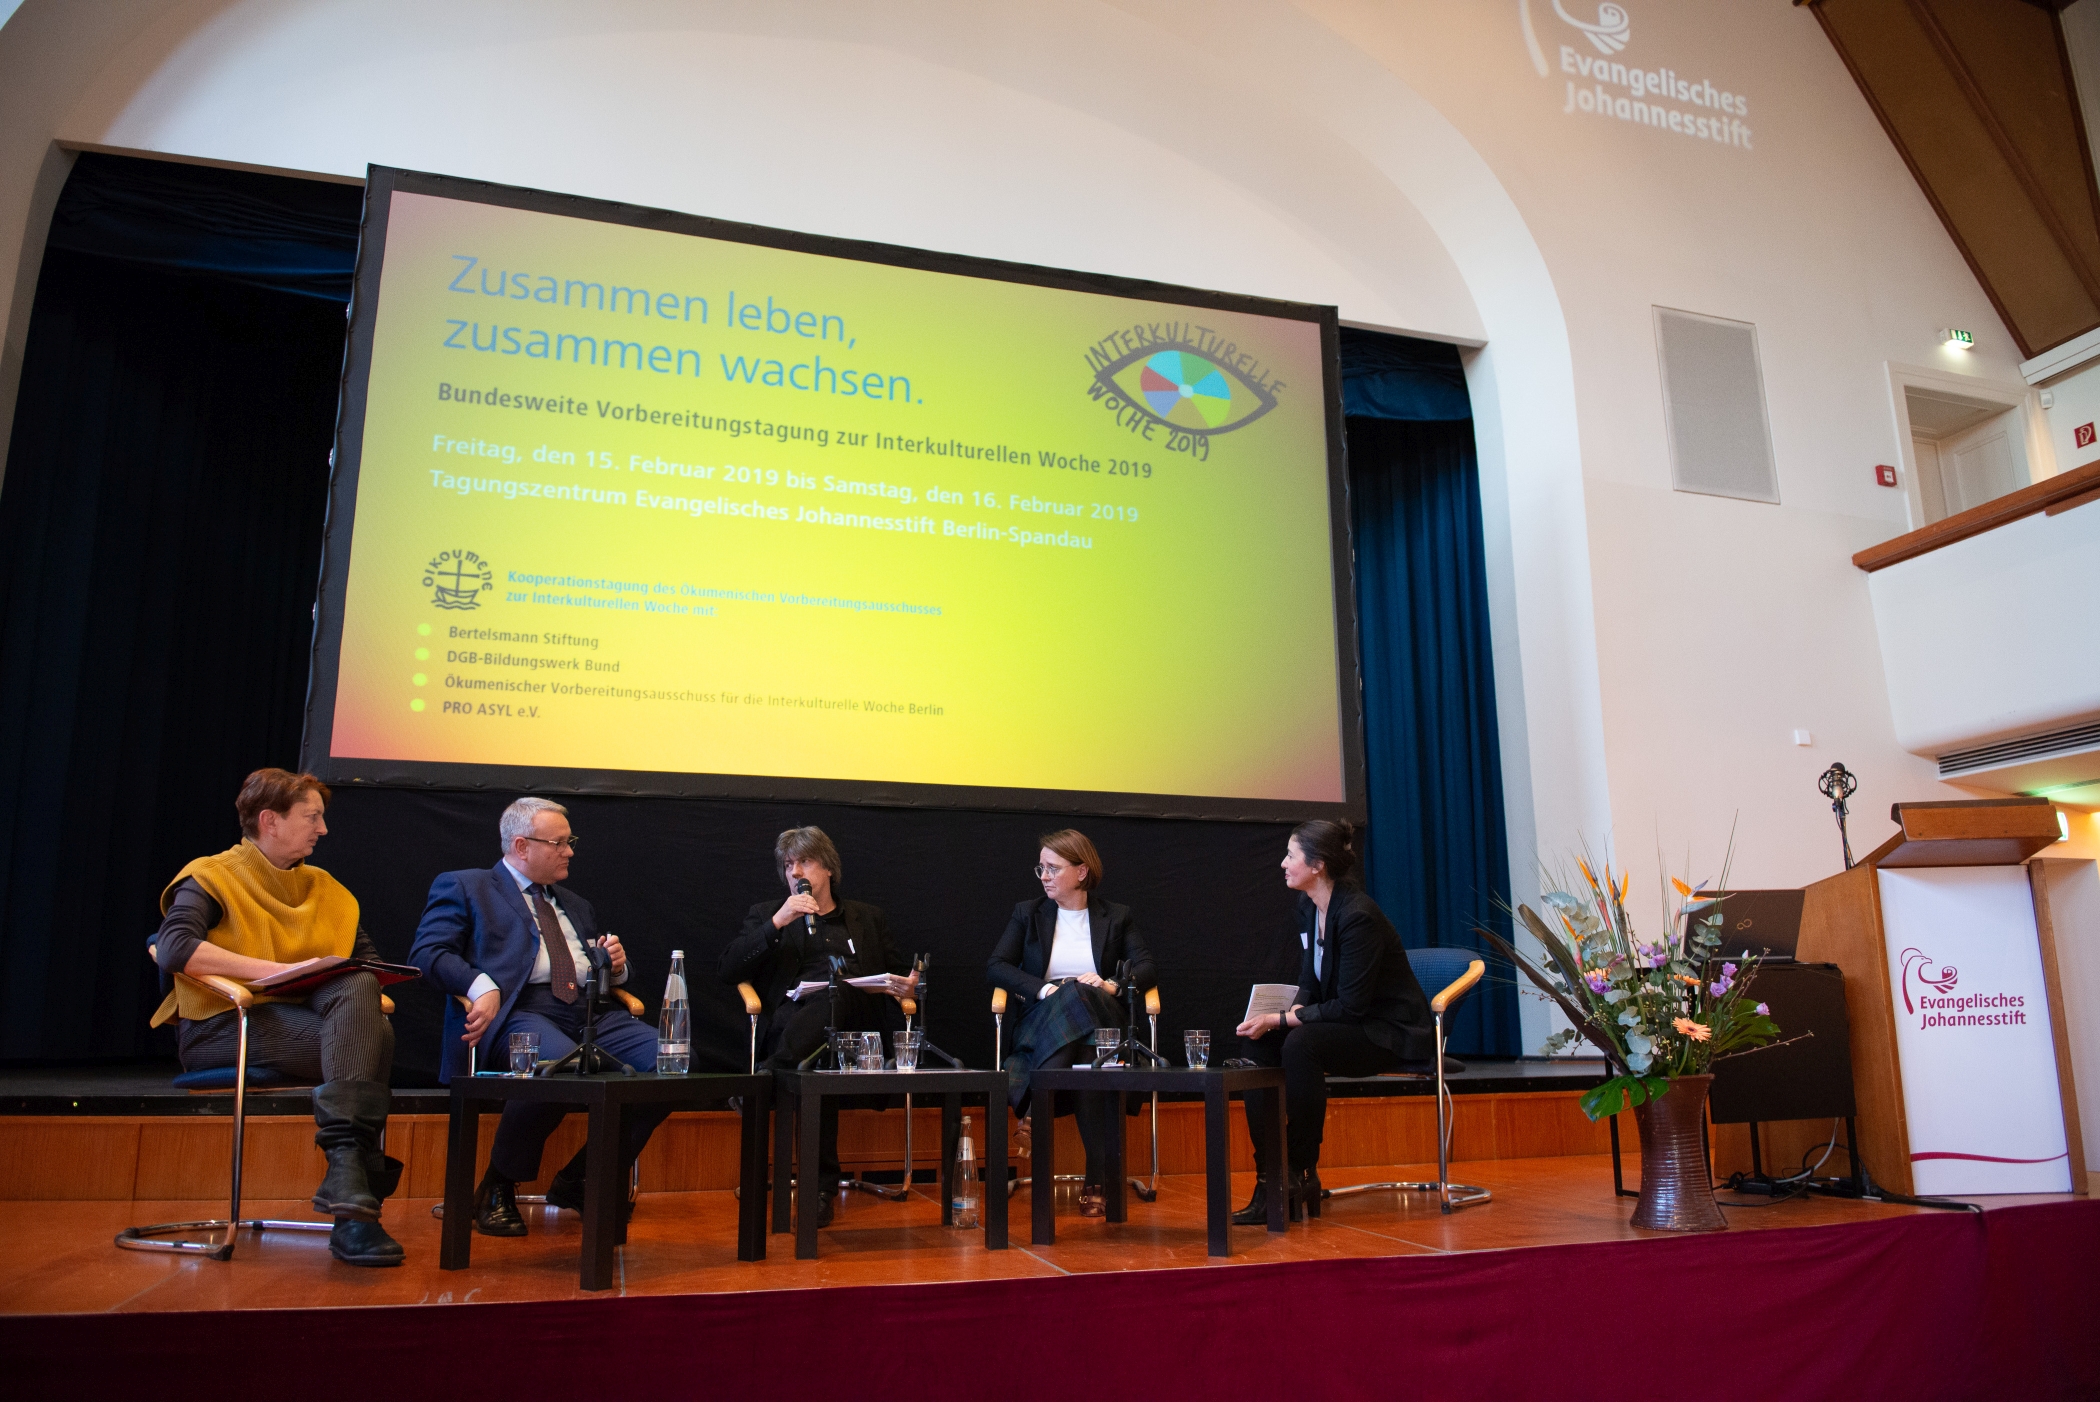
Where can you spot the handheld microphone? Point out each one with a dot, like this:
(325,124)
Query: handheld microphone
(809,922)
(601,969)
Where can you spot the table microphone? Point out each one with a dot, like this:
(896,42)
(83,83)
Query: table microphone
(809,922)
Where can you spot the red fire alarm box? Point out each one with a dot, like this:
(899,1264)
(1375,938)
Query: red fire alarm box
(1884,474)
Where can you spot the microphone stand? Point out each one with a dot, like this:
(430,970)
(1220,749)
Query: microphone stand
(922,966)
(589,1058)
(831,1020)
(1131,1043)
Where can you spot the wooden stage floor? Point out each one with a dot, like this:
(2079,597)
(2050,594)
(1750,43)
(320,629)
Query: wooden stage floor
(61,1259)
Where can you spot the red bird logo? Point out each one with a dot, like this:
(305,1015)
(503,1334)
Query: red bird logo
(1916,962)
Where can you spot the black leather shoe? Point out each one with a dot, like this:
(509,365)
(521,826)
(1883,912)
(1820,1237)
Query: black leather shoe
(564,1191)
(824,1209)
(496,1208)
(1256,1212)
(361,1241)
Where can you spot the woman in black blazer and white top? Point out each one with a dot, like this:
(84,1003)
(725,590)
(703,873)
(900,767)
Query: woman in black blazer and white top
(1058,960)
(1359,1010)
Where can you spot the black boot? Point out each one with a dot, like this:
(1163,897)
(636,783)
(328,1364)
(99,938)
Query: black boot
(1256,1212)
(361,1241)
(496,1207)
(1306,1193)
(383,1173)
(350,1117)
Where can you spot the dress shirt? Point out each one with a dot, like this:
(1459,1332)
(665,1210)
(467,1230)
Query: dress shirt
(542,966)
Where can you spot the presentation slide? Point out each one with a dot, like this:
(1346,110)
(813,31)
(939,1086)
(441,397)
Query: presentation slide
(628,500)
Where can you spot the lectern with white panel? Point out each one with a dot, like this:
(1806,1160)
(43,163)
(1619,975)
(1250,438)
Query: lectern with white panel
(1960,1051)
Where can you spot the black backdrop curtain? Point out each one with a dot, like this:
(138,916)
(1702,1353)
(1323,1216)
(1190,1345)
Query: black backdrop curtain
(159,542)
(160,524)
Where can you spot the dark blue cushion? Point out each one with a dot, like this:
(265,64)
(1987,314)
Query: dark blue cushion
(1437,967)
(221,1078)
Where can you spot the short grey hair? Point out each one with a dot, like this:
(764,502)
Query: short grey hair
(517,819)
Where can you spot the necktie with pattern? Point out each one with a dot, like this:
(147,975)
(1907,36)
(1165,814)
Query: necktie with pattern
(561,965)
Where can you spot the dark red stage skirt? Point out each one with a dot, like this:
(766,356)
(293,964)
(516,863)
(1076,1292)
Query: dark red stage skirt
(1941,1305)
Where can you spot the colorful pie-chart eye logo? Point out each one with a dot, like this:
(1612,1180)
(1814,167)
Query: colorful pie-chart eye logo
(1181,388)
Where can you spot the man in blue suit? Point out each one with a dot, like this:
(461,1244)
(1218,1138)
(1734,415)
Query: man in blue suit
(511,941)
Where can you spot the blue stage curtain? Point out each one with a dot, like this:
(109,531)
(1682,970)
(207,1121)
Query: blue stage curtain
(1436,858)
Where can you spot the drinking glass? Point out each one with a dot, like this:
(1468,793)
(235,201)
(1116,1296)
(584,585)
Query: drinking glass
(1108,1041)
(524,1052)
(1197,1046)
(907,1044)
(871,1051)
(845,1051)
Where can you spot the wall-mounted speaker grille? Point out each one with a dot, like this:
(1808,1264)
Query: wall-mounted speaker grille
(1714,405)
(2048,745)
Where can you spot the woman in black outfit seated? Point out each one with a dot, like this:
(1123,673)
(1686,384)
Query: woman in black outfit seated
(786,948)
(1359,1010)
(1057,960)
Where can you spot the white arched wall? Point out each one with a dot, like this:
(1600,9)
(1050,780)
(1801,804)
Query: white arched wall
(1407,164)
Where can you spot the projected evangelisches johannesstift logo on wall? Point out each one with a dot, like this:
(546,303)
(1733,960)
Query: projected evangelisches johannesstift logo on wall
(1179,385)
(1600,83)
(458,579)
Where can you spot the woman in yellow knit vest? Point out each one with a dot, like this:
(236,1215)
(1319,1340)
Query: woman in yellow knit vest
(253,911)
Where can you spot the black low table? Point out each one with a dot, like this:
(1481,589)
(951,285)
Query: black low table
(806,1091)
(1217,1084)
(604,1098)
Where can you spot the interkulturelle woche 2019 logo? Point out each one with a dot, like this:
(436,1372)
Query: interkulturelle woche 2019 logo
(1178,384)
(458,579)
(1936,1004)
(1600,83)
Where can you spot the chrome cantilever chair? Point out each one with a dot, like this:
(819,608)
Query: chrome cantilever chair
(1146,1190)
(903,1189)
(1433,966)
(634,1175)
(752,1007)
(220,1232)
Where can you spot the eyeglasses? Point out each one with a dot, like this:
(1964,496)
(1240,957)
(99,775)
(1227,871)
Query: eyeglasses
(569,842)
(1044,871)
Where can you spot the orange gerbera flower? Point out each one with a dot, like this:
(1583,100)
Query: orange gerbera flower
(1697,1031)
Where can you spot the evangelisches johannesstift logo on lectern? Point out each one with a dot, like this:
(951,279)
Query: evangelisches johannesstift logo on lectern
(1936,1004)
(458,579)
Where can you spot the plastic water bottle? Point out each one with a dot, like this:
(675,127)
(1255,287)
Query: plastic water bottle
(674,1031)
(966,1181)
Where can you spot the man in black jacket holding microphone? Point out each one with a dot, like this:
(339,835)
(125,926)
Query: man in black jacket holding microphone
(785,948)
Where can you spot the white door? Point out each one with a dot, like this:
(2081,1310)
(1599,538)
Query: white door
(1930,492)
(1982,463)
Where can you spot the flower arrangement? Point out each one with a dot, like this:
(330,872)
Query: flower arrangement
(1658,1009)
